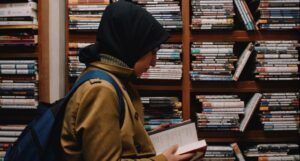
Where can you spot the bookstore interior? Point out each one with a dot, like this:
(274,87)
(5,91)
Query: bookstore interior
(229,66)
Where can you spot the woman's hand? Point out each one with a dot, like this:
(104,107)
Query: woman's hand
(171,156)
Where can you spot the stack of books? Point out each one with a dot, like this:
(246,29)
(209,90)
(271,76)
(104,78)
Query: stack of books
(18,77)
(166,12)
(220,112)
(277,60)
(214,61)
(18,15)
(265,152)
(280,111)
(219,153)
(279,14)
(86,14)
(75,66)
(161,110)
(212,15)
(225,112)
(168,63)
(18,84)
(22,15)
(8,135)
(19,39)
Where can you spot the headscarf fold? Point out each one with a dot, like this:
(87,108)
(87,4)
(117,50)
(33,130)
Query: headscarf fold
(127,32)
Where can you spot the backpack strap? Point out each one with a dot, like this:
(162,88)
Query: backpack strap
(105,76)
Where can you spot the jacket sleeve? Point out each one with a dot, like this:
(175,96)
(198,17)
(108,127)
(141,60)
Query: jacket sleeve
(97,125)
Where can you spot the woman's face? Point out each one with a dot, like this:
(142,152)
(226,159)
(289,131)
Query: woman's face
(143,64)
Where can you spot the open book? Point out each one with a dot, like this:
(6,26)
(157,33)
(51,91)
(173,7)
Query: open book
(184,135)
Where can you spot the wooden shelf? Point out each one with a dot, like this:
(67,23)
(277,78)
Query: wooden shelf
(246,86)
(18,55)
(158,87)
(12,116)
(90,36)
(240,35)
(19,27)
(249,136)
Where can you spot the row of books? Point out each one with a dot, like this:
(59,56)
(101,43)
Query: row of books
(86,15)
(220,112)
(277,60)
(18,84)
(8,135)
(260,152)
(167,12)
(18,15)
(212,15)
(267,152)
(161,110)
(168,63)
(205,14)
(216,61)
(225,112)
(279,15)
(219,153)
(273,14)
(75,66)
(280,111)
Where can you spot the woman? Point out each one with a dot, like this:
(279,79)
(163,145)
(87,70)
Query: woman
(127,40)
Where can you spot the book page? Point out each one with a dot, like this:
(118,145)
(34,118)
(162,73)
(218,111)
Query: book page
(181,135)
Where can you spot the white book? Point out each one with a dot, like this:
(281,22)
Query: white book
(16,12)
(184,135)
(8,139)
(10,133)
(32,5)
(237,151)
(249,110)
(242,61)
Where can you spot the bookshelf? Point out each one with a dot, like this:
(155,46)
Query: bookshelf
(186,88)
(24,68)
(37,52)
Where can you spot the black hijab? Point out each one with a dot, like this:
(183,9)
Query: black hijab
(127,32)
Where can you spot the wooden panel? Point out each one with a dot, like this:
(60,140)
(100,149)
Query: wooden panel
(249,136)
(44,81)
(13,116)
(186,59)
(240,35)
(158,88)
(89,36)
(19,55)
(246,86)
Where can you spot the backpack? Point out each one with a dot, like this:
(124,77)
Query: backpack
(40,140)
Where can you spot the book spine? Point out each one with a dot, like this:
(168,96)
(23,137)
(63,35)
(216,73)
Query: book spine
(237,151)
(242,61)
(18,12)
(29,5)
(250,107)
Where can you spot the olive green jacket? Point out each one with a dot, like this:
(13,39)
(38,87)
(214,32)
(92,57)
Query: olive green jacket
(91,129)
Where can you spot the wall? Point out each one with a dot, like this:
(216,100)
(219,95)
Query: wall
(56,49)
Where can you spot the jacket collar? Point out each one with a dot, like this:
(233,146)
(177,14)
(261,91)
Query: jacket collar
(114,66)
